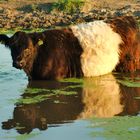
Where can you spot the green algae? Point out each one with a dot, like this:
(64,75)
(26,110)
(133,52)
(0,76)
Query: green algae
(116,128)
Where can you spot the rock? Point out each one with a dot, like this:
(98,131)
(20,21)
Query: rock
(1,26)
(127,7)
(136,13)
(118,13)
(1,10)
(88,18)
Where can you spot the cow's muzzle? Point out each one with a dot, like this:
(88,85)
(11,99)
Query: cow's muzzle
(18,64)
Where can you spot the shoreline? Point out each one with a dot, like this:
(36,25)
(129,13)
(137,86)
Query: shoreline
(38,20)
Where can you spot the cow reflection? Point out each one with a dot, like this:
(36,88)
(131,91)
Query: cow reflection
(51,112)
(105,97)
(99,97)
(129,101)
(26,118)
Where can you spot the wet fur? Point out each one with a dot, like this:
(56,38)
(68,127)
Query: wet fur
(128,29)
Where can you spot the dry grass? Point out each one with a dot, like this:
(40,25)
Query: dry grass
(108,3)
(13,4)
(113,4)
(88,5)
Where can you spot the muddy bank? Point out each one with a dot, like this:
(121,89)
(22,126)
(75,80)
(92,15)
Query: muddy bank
(40,18)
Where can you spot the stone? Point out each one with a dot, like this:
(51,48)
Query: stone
(136,13)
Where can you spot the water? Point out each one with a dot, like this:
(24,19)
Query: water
(100,108)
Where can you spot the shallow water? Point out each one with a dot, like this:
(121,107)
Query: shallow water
(100,108)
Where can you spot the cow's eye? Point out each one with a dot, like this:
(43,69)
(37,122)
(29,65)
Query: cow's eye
(26,52)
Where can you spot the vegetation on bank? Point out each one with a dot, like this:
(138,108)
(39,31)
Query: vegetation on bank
(12,31)
(37,16)
(69,6)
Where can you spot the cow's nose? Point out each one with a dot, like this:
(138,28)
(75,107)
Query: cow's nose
(18,64)
(21,63)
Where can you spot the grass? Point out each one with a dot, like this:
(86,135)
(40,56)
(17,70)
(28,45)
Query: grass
(69,6)
(12,31)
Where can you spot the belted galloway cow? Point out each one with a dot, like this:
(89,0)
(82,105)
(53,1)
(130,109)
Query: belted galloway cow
(84,50)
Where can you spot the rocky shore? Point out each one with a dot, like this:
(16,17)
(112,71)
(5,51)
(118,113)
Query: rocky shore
(41,19)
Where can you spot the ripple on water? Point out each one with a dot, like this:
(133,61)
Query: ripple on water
(4,76)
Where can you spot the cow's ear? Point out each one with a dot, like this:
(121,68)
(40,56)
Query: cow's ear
(37,39)
(4,39)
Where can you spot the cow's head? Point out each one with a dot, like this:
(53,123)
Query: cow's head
(23,48)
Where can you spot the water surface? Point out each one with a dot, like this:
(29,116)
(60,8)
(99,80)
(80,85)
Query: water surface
(100,108)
